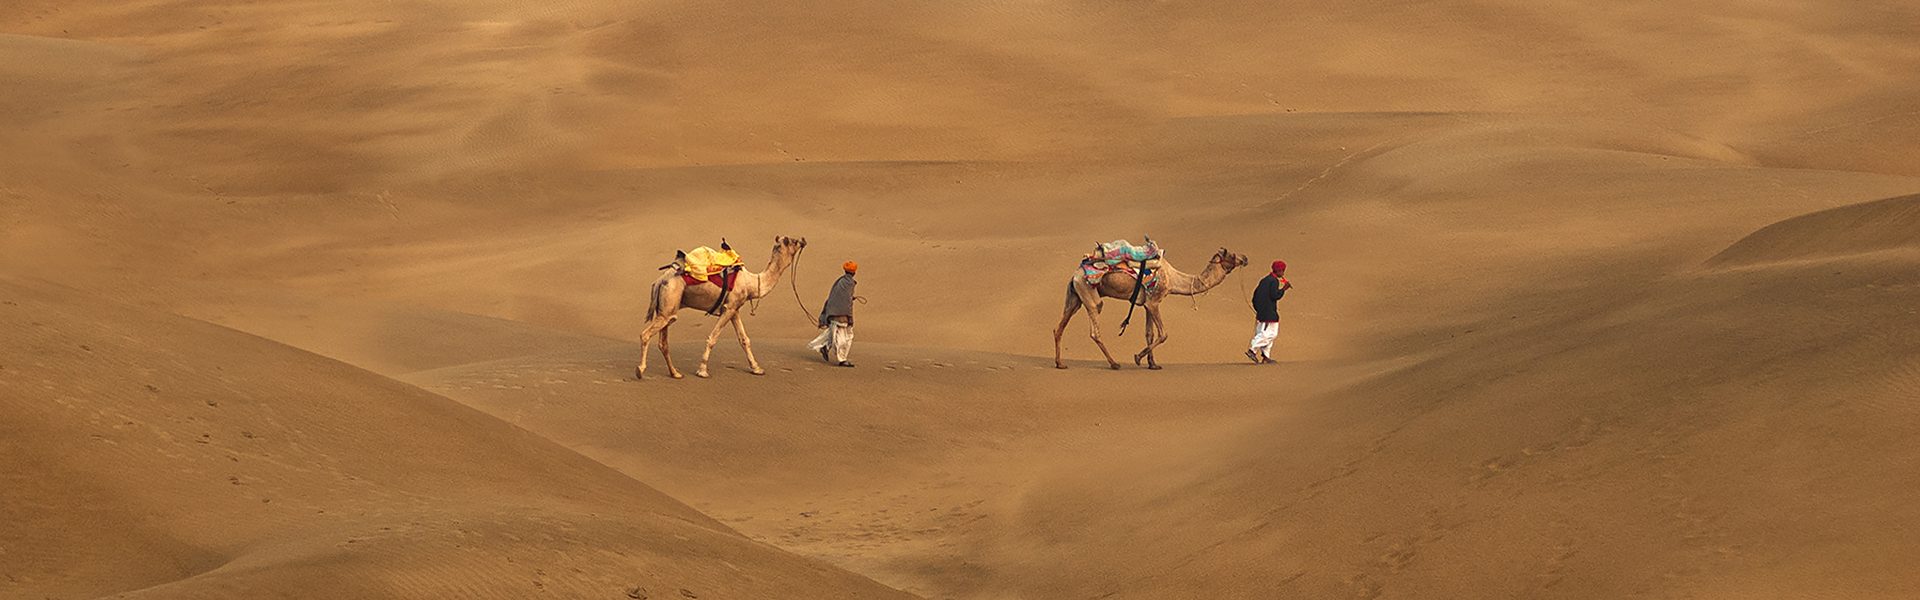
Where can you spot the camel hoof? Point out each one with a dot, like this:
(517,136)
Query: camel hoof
(640,375)
(1136,359)
(758,371)
(679,376)
(1114,366)
(1060,366)
(1153,367)
(701,374)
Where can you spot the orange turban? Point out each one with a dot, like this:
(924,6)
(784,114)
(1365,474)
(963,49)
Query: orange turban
(851,267)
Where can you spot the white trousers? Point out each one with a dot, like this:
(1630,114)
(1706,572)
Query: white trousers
(836,335)
(1263,334)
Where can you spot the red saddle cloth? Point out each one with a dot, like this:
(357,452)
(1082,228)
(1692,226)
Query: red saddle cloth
(727,279)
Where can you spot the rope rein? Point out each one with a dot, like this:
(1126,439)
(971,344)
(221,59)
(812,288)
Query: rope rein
(793,282)
(1243,291)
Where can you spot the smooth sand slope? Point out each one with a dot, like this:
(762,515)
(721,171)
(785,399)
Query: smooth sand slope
(164,458)
(1592,300)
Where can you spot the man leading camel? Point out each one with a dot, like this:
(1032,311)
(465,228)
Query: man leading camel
(836,320)
(1266,311)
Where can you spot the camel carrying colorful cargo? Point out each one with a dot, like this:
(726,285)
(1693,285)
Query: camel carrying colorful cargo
(1114,270)
(1121,256)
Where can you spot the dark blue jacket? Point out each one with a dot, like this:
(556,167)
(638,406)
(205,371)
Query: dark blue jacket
(1266,297)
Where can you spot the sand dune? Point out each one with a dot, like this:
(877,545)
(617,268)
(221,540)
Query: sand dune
(337,298)
(160,457)
(1884,225)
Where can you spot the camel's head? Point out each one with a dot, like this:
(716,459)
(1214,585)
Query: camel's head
(1228,260)
(788,244)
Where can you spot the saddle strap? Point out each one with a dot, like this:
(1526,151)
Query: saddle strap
(725,281)
(1133,300)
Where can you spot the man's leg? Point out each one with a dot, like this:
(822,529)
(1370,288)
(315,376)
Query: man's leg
(1254,347)
(1262,342)
(1268,333)
(822,342)
(843,343)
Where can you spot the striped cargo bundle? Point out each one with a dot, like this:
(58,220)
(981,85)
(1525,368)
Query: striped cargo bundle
(1122,257)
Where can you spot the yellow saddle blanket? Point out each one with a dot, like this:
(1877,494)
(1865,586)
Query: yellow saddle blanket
(704,262)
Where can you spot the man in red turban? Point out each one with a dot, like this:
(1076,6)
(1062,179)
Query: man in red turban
(1266,313)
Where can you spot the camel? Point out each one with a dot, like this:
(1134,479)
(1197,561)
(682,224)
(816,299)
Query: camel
(1081,294)
(671,293)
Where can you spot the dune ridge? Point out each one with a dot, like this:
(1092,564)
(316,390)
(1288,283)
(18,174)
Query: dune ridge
(1880,225)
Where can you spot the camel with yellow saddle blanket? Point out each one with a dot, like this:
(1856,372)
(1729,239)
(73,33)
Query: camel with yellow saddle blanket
(714,281)
(705,263)
(1141,276)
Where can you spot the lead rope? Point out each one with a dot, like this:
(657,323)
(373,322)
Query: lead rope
(1243,292)
(794,283)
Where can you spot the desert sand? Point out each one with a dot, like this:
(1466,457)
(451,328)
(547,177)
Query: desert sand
(340,299)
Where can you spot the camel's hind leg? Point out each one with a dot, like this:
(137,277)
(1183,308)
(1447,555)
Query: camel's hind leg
(665,301)
(657,327)
(1092,305)
(714,338)
(646,337)
(666,356)
(740,330)
(1066,316)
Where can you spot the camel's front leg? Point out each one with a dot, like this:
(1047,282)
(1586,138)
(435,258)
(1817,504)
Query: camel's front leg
(714,338)
(1156,335)
(1147,330)
(740,330)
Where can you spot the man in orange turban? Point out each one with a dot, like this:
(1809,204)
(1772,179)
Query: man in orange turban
(836,320)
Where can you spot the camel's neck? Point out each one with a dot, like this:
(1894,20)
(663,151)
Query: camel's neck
(1185,284)
(776,267)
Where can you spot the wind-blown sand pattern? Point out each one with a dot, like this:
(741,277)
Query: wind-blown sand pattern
(341,299)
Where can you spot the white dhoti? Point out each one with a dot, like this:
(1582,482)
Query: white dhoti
(836,338)
(1263,335)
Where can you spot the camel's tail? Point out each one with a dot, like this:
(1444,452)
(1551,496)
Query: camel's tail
(653,303)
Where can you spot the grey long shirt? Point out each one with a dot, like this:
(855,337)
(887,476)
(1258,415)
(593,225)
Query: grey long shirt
(839,301)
